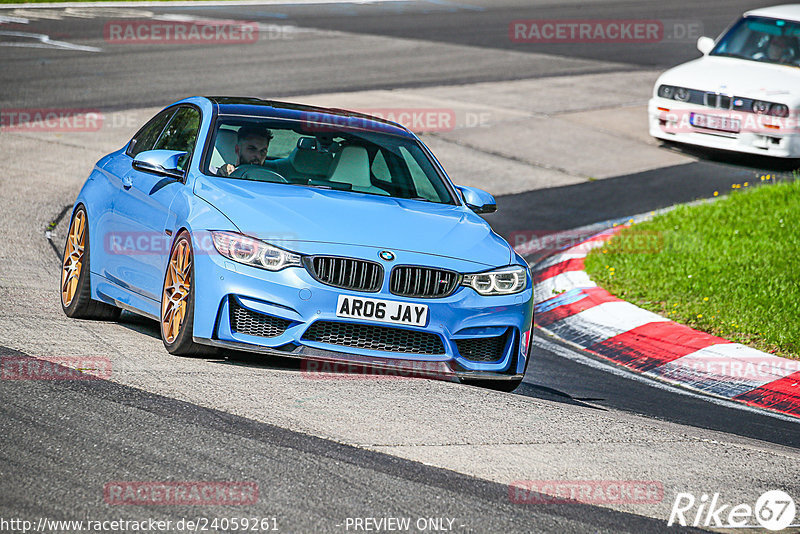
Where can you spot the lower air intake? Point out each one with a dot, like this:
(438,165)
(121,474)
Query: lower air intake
(482,349)
(382,338)
(252,323)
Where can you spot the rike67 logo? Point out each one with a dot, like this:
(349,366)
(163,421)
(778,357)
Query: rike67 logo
(774,510)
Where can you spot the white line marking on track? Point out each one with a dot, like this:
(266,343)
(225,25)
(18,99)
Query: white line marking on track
(43,41)
(13,20)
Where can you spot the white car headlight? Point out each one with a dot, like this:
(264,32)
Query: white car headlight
(779,110)
(249,251)
(759,106)
(504,281)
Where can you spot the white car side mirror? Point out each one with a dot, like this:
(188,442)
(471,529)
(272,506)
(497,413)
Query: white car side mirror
(705,45)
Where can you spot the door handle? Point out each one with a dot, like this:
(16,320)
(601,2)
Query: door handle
(127,182)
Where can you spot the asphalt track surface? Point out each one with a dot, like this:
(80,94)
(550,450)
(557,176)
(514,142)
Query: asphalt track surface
(308,484)
(68,437)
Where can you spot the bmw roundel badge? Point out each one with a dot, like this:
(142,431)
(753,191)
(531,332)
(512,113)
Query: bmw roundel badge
(386,255)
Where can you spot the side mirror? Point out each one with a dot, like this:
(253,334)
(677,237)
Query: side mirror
(160,162)
(705,45)
(477,200)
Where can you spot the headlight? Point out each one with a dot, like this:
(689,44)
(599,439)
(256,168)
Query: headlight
(503,281)
(249,251)
(779,110)
(666,91)
(759,106)
(674,92)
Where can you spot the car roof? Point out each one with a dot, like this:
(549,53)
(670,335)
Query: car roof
(227,105)
(787,11)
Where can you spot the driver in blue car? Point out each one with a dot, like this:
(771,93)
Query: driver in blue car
(251,147)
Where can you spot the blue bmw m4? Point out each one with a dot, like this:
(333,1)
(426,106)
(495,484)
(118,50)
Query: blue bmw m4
(299,231)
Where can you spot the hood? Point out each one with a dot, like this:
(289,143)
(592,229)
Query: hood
(296,217)
(737,77)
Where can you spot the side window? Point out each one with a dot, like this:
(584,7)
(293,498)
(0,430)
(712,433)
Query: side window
(148,135)
(181,133)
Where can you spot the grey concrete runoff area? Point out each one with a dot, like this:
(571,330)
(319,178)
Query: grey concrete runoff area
(558,135)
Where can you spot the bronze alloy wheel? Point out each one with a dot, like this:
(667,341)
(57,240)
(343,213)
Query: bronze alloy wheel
(177,302)
(177,288)
(76,288)
(73,258)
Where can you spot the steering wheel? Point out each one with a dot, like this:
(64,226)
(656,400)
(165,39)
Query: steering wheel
(258,173)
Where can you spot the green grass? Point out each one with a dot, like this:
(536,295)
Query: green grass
(729,267)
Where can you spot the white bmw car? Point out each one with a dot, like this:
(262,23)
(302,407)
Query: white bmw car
(743,94)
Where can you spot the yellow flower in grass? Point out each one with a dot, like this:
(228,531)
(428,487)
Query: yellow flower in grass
(705,299)
(699,315)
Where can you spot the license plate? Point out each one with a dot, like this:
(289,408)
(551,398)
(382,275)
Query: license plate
(713,122)
(382,311)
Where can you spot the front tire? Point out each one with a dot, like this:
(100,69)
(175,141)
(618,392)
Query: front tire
(498,385)
(177,301)
(76,287)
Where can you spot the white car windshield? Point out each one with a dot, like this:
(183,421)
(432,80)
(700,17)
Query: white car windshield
(762,39)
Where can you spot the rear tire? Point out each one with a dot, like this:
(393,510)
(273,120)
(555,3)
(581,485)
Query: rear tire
(177,302)
(76,287)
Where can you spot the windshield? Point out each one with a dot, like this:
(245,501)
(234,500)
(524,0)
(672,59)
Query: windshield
(324,156)
(762,39)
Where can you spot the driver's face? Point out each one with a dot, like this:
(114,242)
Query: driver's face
(252,151)
(777,49)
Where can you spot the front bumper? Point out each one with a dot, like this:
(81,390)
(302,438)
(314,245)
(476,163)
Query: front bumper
(760,135)
(295,297)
